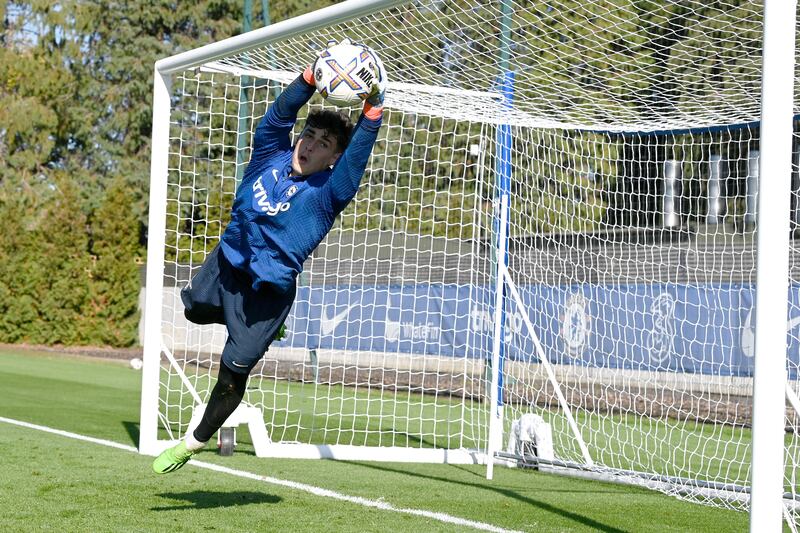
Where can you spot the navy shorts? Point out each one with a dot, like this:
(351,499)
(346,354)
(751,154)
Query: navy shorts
(221,294)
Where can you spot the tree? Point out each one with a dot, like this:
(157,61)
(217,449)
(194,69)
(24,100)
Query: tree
(75,86)
(115,283)
(17,304)
(62,265)
(44,266)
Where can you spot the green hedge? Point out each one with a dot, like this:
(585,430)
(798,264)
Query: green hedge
(66,278)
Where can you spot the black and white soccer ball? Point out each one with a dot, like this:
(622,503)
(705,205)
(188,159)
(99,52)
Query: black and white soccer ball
(346,73)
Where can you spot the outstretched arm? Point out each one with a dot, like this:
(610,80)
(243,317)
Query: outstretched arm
(349,169)
(272,133)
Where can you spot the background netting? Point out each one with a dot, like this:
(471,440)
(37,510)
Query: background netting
(632,167)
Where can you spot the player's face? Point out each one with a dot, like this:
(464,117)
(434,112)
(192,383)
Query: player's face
(315,150)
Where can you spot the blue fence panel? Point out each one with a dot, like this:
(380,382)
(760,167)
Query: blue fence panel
(704,329)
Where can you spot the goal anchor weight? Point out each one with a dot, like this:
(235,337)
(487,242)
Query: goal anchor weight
(247,415)
(226,440)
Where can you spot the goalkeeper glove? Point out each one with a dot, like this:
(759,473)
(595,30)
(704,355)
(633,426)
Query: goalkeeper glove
(281,332)
(378,94)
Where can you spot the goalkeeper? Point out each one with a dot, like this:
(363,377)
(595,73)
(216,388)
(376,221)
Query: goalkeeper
(286,203)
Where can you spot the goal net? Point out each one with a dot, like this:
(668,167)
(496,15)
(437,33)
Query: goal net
(599,159)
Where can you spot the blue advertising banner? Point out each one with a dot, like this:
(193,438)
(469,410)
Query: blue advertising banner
(704,329)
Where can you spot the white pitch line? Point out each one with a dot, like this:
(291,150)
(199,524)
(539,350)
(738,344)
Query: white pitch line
(317,491)
(46,429)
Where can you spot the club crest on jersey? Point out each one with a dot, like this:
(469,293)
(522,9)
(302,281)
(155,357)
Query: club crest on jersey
(262,203)
(291,191)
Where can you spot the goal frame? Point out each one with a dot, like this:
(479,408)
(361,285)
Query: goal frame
(772,267)
(772,251)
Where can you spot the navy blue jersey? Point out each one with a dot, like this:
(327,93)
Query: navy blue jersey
(277,220)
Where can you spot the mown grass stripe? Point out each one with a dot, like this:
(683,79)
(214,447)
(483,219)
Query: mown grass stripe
(317,491)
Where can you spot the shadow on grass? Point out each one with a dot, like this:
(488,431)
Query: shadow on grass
(575,517)
(133,431)
(468,471)
(204,499)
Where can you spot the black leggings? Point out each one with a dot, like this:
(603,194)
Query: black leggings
(226,396)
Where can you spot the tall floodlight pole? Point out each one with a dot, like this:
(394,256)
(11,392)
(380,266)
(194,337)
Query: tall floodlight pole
(274,87)
(502,209)
(244,104)
(265,12)
(772,279)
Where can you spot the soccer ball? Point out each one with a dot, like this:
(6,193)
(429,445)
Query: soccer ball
(136,363)
(345,73)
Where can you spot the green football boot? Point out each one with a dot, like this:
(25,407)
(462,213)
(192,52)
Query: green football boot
(172,459)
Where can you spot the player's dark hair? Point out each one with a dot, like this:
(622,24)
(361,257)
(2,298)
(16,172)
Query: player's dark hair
(335,123)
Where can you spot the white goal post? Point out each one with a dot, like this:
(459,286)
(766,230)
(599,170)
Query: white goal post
(554,258)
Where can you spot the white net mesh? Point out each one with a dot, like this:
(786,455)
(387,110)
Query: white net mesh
(631,173)
(600,65)
(400,241)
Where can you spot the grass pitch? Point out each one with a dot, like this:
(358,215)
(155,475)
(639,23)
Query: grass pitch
(54,482)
